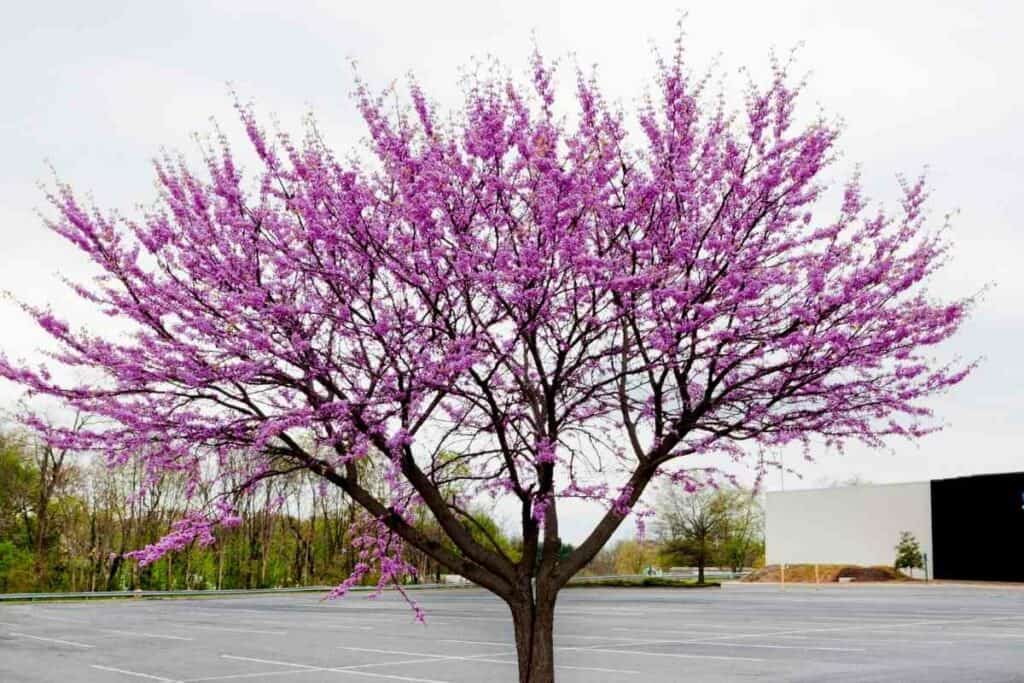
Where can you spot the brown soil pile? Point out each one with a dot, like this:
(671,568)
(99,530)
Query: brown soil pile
(871,574)
(827,573)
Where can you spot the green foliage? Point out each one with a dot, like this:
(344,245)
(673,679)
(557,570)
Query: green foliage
(634,557)
(486,530)
(723,527)
(908,552)
(15,568)
(711,528)
(72,535)
(17,482)
(564,550)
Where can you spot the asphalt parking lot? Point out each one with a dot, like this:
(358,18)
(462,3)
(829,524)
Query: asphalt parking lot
(740,632)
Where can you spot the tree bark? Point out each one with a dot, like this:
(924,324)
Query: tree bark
(702,560)
(534,622)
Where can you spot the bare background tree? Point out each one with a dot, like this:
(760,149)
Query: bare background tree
(716,527)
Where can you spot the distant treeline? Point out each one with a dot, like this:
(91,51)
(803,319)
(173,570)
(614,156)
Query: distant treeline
(66,522)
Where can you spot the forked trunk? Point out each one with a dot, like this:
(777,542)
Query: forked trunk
(534,625)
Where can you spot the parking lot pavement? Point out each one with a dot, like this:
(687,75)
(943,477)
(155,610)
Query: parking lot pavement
(740,632)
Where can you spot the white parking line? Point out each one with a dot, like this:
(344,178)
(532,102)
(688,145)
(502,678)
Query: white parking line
(140,634)
(49,640)
(985,635)
(560,666)
(695,627)
(332,627)
(580,636)
(786,647)
(49,617)
(677,655)
(486,658)
(618,641)
(392,677)
(232,629)
(337,670)
(258,674)
(870,641)
(422,660)
(395,652)
(309,627)
(275,662)
(589,613)
(460,617)
(481,658)
(133,673)
(398,617)
(895,619)
(595,668)
(642,641)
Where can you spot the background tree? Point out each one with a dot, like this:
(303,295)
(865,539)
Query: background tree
(603,563)
(908,552)
(17,480)
(743,532)
(570,309)
(723,527)
(691,526)
(53,470)
(633,557)
(94,517)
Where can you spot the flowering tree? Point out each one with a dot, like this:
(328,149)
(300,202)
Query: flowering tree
(524,305)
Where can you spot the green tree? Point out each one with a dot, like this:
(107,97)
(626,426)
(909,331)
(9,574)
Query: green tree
(689,525)
(633,557)
(17,481)
(908,552)
(719,526)
(742,533)
(603,563)
(15,568)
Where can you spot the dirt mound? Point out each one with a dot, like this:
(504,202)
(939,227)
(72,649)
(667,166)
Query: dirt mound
(870,574)
(826,573)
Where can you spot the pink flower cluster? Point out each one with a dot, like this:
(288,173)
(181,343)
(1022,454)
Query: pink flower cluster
(190,529)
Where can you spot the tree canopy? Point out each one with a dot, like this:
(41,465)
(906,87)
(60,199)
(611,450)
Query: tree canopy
(908,552)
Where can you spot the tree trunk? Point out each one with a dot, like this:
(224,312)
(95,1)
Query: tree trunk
(115,565)
(700,571)
(42,529)
(534,627)
(220,566)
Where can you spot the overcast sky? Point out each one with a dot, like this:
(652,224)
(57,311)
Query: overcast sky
(97,88)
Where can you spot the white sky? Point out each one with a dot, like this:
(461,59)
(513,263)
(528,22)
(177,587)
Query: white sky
(97,88)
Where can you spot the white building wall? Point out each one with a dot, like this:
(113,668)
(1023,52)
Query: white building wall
(850,525)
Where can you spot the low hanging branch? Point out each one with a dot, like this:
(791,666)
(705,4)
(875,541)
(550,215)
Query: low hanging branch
(569,310)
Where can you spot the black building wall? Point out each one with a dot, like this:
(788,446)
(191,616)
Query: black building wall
(978,527)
